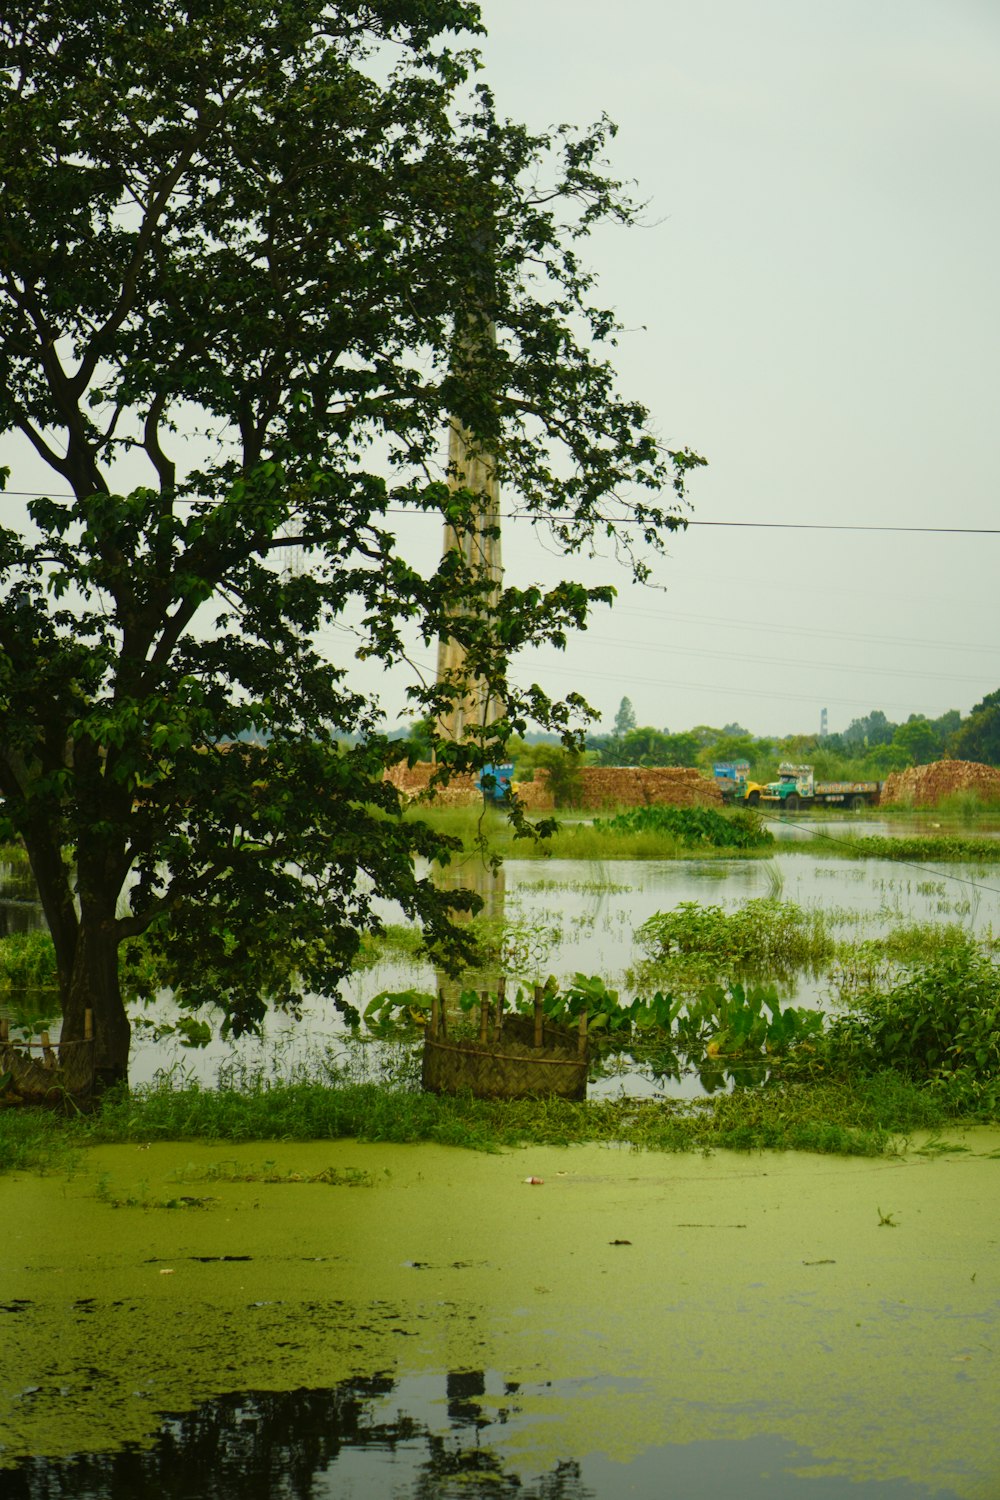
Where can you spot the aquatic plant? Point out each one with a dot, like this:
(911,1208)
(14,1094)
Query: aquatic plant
(765,938)
(718,1033)
(27,962)
(921,848)
(693,827)
(395,940)
(937,1024)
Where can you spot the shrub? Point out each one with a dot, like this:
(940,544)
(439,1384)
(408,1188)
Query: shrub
(938,1024)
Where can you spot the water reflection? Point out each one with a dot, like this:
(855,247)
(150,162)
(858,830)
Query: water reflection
(377,1437)
(20,910)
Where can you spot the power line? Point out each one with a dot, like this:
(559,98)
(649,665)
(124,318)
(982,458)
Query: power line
(685,523)
(824,526)
(858,849)
(797,630)
(547,668)
(773,661)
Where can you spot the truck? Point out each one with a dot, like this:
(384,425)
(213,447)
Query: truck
(496,782)
(796,788)
(733,780)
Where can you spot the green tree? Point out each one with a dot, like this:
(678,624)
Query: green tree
(563,765)
(979,737)
(919,739)
(624,718)
(729,747)
(873,729)
(646,746)
(881,759)
(246,257)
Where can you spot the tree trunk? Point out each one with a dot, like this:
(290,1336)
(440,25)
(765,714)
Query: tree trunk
(94,987)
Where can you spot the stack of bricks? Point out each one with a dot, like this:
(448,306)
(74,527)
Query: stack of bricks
(413,781)
(600,787)
(924,786)
(461,791)
(642,786)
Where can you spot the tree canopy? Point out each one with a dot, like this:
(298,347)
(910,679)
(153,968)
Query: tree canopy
(979,737)
(245,253)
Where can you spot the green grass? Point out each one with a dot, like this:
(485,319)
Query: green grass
(767,938)
(14,855)
(27,962)
(868,1117)
(577,837)
(916,849)
(36,1140)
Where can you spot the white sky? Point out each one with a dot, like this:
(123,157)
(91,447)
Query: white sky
(815,307)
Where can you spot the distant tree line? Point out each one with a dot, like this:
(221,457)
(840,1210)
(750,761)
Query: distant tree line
(869,749)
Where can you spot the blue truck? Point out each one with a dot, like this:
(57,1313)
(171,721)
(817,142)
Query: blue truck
(496,782)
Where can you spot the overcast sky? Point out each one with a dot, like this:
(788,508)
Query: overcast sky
(814,306)
(816,309)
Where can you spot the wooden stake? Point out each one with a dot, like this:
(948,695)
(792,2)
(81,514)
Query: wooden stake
(484,1015)
(442,1014)
(501,993)
(4,1030)
(48,1056)
(581,1041)
(435,1017)
(539,1019)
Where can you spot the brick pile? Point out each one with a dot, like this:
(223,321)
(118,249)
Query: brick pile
(924,786)
(461,791)
(641,786)
(413,781)
(601,786)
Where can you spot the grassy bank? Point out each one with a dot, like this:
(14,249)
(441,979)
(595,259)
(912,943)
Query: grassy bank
(600,833)
(872,1116)
(678,833)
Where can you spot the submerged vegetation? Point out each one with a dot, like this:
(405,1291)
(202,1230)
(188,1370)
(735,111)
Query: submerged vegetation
(923,849)
(653,832)
(909,1039)
(763,938)
(934,1022)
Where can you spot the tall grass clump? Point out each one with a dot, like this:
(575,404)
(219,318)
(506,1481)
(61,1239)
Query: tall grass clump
(937,1025)
(27,962)
(967,805)
(695,944)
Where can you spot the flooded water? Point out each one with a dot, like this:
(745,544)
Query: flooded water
(561,917)
(203,1321)
(228,1323)
(420,1436)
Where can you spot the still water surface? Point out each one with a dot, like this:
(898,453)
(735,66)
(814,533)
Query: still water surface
(751,1344)
(637,1324)
(583,916)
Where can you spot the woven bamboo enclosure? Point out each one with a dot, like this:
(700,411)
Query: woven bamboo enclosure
(513,1057)
(33,1074)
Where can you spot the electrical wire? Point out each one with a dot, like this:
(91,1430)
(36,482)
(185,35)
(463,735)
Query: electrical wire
(859,851)
(524,515)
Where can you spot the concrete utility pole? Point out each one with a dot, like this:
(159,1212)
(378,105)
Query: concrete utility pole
(479,543)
